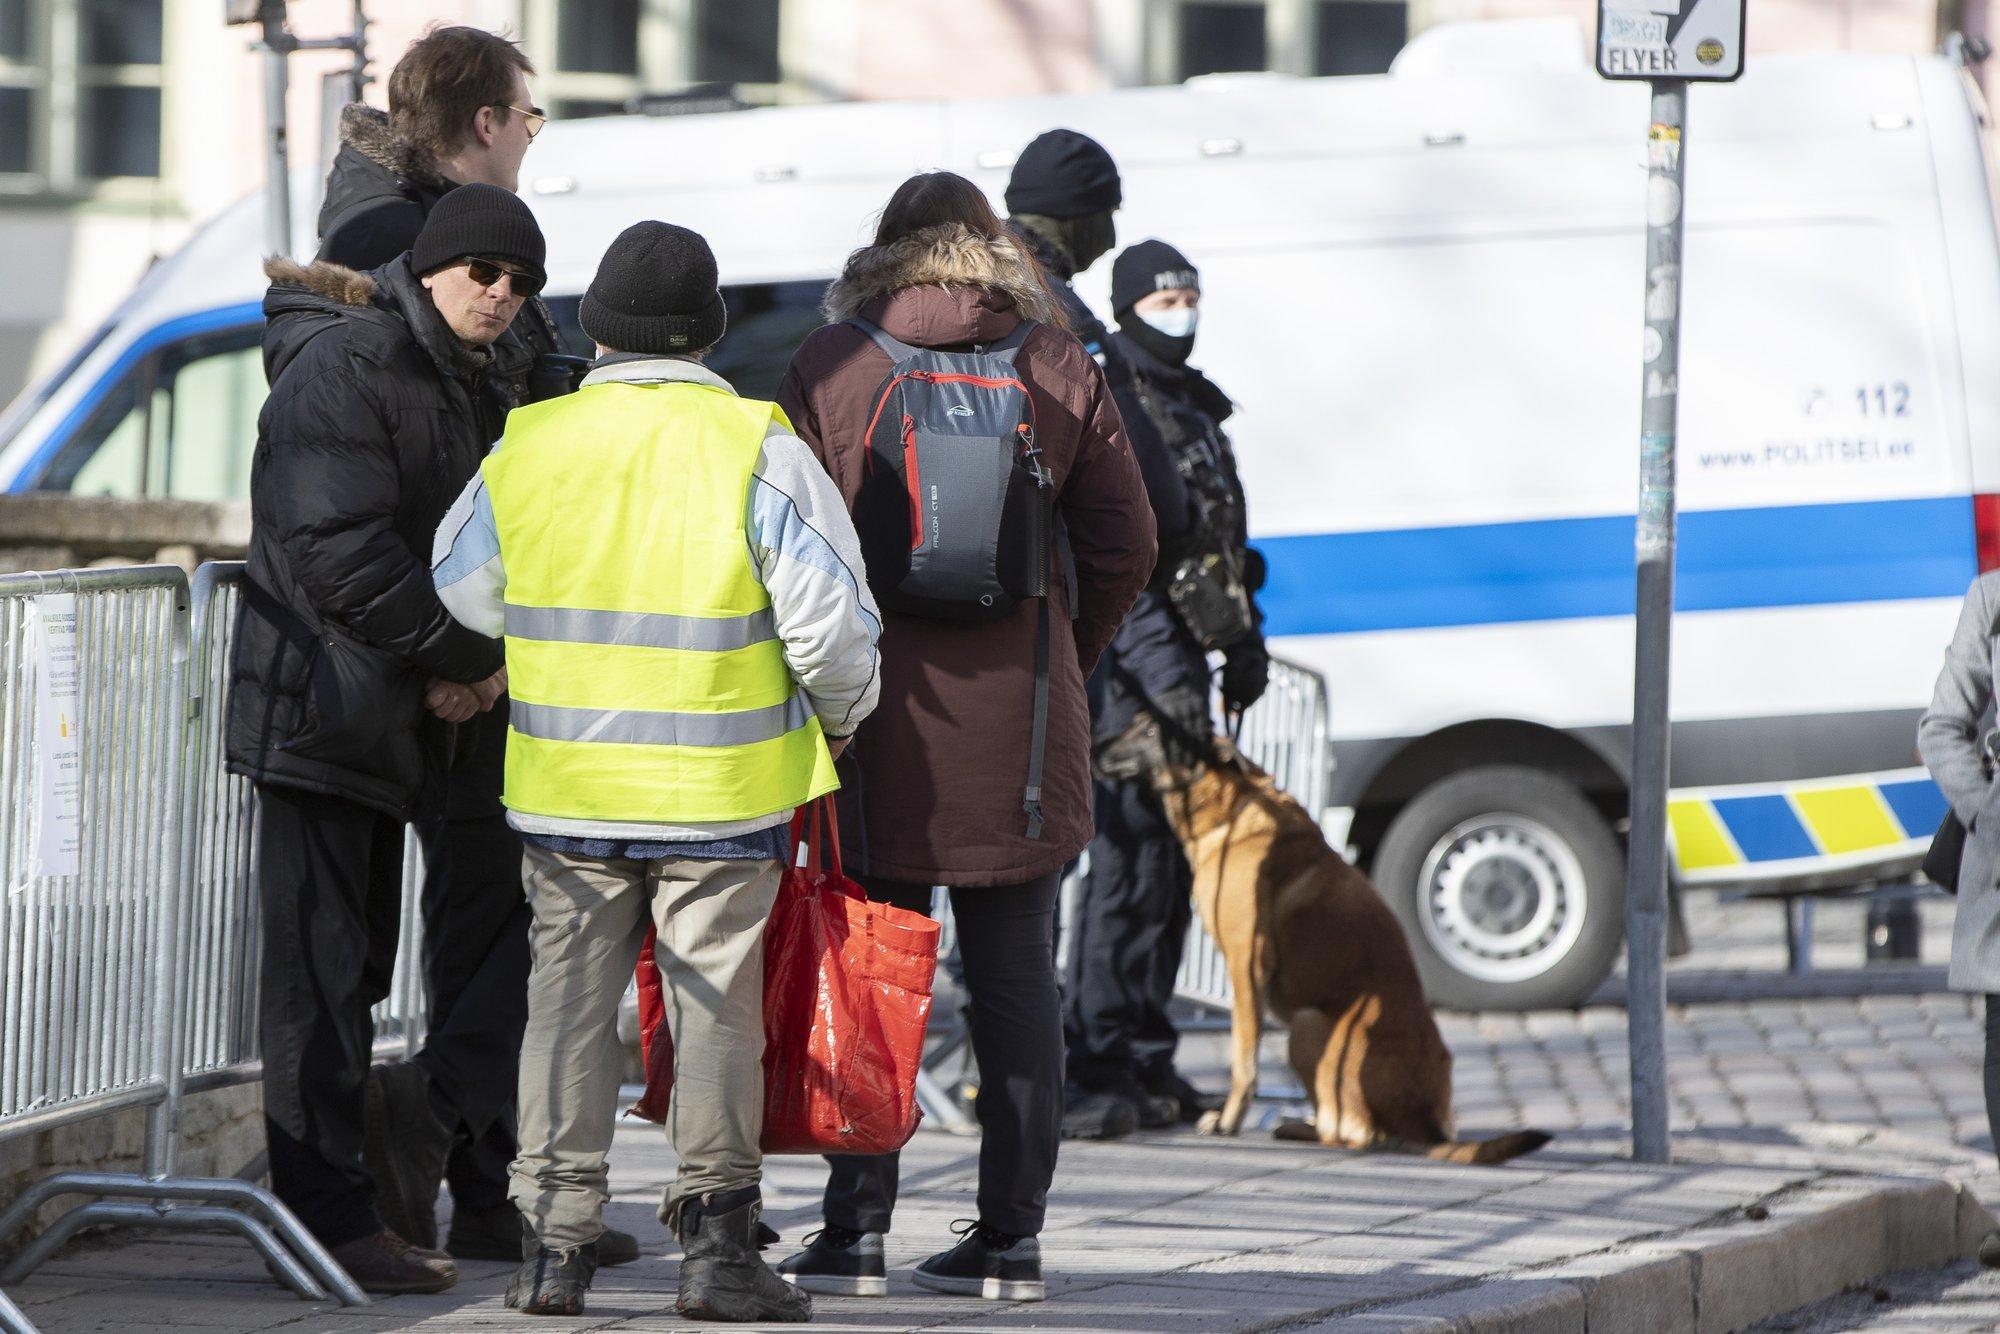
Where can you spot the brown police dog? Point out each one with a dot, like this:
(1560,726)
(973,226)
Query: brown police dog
(1305,934)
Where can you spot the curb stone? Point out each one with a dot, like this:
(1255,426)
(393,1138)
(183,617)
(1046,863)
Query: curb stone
(1817,1242)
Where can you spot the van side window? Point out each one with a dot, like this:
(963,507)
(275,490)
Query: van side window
(767,322)
(181,424)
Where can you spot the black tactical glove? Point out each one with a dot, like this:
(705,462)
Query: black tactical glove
(1185,726)
(1246,670)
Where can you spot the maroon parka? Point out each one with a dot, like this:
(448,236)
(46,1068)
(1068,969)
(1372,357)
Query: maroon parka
(932,786)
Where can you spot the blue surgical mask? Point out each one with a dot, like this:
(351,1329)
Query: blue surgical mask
(1175,322)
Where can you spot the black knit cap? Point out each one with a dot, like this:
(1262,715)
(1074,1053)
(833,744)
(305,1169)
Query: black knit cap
(480,221)
(1063,174)
(655,292)
(1148,267)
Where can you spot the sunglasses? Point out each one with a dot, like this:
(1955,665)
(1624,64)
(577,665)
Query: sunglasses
(535,115)
(487,272)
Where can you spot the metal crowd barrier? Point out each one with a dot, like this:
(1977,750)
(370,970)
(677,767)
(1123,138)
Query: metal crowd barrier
(132,980)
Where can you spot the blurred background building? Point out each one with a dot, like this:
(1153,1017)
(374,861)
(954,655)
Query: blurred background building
(125,123)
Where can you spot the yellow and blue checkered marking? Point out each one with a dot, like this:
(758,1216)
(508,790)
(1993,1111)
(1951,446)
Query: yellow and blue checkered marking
(1746,833)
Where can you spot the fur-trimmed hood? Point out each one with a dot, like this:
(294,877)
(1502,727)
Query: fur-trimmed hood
(342,286)
(947,256)
(366,130)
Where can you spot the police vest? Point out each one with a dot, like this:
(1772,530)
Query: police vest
(648,683)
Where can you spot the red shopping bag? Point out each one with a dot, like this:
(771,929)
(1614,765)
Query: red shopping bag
(847,994)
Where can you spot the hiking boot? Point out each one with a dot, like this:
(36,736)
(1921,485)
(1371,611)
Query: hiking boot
(551,1282)
(1097,1116)
(383,1262)
(494,1233)
(986,1263)
(1193,1103)
(404,1146)
(722,1275)
(839,1262)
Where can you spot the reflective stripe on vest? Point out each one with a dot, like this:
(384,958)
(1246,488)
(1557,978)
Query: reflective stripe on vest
(647,678)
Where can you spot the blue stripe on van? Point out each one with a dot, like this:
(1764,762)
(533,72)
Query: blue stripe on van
(1918,805)
(186,326)
(1556,569)
(1766,828)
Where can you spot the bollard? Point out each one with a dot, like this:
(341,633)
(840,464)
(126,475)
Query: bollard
(1895,930)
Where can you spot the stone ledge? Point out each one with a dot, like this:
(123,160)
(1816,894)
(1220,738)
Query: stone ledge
(52,530)
(1816,1242)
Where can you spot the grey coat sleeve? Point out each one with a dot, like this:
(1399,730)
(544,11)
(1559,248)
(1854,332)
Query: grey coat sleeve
(1948,738)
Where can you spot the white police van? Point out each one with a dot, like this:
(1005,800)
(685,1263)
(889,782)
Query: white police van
(1423,289)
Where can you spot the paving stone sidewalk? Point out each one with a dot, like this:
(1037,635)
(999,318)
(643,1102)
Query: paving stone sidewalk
(1173,1232)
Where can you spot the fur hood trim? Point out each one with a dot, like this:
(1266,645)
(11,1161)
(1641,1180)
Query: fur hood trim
(950,255)
(331,281)
(366,130)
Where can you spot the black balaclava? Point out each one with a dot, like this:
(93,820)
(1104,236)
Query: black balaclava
(1148,267)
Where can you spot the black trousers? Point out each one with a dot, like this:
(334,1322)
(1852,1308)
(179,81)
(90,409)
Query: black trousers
(1993,1067)
(1130,929)
(476,960)
(1006,937)
(330,876)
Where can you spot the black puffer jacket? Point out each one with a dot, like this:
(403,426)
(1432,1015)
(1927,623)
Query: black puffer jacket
(377,418)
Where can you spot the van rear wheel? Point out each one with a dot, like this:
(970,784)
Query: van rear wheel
(1510,887)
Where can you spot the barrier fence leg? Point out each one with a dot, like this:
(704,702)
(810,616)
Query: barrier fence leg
(12,1319)
(221,1201)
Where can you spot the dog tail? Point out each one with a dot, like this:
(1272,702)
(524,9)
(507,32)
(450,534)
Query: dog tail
(1488,1151)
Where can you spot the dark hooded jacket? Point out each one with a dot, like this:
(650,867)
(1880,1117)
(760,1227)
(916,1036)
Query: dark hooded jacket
(379,192)
(377,418)
(931,789)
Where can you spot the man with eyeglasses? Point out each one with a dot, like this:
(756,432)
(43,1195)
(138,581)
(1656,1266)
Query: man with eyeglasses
(350,683)
(460,112)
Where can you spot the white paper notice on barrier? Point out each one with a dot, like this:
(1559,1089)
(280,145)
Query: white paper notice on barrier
(59,754)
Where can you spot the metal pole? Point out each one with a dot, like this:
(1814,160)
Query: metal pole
(277,47)
(1646,883)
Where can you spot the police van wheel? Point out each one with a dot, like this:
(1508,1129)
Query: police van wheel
(1510,887)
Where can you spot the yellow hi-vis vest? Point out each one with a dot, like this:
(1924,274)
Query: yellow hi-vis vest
(648,683)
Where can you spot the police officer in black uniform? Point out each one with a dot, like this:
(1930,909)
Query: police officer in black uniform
(1137,902)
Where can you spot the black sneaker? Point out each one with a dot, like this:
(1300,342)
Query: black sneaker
(1193,1103)
(986,1263)
(1097,1116)
(551,1282)
(839,1262)
(494,1233)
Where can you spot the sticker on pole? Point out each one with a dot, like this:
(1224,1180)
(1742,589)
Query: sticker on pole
(1697,40)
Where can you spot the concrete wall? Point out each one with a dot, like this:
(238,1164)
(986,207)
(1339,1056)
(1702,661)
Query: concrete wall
(55,531)
(222,1135)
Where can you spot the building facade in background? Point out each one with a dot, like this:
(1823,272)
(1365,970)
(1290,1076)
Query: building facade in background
(125,123)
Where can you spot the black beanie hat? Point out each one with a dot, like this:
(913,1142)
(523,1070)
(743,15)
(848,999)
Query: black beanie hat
(483,221)
(1148,267)
(1063,174)
(655,292)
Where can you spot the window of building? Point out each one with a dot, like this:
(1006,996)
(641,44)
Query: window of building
(182,424)
(80,93)
(595,56)
(1186,38)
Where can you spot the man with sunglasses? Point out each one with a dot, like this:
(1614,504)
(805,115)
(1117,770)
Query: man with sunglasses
(349,683)
(460,112)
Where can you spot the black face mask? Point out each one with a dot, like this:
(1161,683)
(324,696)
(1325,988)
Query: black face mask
(1172,351)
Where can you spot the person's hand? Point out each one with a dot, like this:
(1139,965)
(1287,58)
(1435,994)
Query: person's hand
(450,701)
(1185,726)
(1246,671)
(836,746)
(491,689)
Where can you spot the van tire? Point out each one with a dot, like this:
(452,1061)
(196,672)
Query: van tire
(1487,871)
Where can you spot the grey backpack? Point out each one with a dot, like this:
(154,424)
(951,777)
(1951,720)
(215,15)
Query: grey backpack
(956,511)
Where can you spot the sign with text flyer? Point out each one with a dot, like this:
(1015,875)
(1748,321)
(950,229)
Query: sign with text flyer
(1697,40)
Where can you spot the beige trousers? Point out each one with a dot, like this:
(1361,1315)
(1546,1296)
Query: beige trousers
(590,919)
